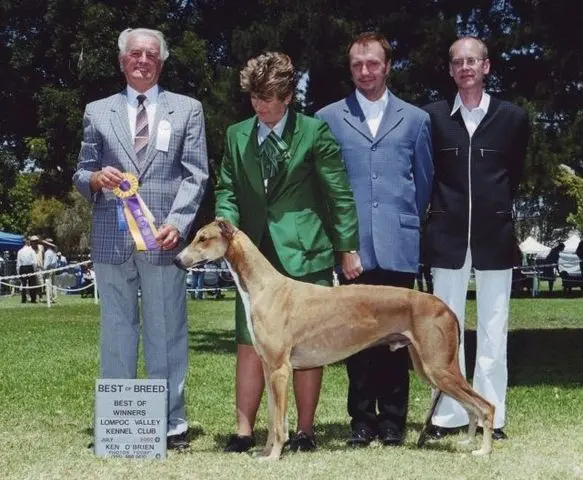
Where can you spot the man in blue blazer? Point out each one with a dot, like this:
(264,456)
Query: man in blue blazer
(386,146)
(159,138)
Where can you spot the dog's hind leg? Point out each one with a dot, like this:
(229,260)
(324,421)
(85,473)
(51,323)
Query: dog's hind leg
(435,396)
(277,380)
(473,424)
(451,382)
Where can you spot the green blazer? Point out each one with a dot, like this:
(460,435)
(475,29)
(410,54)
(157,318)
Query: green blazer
(308,207)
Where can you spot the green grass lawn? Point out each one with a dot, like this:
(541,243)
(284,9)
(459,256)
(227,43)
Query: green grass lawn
(49,363)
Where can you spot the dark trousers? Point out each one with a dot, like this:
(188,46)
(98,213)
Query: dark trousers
(377,377)
(27,282)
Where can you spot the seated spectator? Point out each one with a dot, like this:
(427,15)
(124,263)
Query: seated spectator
(61,260)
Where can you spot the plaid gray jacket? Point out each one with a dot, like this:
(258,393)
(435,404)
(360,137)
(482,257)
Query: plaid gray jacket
(171,183)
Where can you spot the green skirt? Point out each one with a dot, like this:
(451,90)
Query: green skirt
(323,277)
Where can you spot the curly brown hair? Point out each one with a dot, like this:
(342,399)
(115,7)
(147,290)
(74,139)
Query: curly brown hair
(269,74)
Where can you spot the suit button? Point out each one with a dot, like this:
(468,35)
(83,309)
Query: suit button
(373,148)
(375,204)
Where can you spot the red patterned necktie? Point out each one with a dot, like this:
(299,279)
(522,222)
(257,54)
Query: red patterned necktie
(141,138)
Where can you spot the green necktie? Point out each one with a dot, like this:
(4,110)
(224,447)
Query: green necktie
(273,153)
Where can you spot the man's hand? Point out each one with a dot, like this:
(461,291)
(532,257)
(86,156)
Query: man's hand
(168,237)
(108,178)
(351,266)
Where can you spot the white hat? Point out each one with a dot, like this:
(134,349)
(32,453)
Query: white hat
(49,242)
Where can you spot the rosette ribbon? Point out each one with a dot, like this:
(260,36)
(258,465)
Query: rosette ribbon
(140,220)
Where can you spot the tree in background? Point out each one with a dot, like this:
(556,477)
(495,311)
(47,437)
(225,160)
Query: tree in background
(72,226)
(59,55)
(16,214)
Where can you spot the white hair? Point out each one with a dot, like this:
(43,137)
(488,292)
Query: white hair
(122,41)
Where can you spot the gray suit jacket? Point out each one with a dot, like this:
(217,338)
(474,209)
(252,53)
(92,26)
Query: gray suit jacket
(171,183)
(391,176)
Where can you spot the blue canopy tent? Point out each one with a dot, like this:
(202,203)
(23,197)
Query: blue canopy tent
(10,241)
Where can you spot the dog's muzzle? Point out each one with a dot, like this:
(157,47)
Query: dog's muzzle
(179,264)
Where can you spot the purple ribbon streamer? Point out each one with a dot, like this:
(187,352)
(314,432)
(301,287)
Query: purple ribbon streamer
(135,209)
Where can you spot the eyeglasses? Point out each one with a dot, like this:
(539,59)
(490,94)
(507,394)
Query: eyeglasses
(470,61)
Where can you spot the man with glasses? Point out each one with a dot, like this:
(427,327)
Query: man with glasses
(479,148)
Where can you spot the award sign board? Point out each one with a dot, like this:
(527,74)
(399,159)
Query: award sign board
(130,418)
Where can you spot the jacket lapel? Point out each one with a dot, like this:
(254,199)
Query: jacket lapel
(121,126)
(494,104)
(354,116)
(248,150)
(292,136)
(392,117)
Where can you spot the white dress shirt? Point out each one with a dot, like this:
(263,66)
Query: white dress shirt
(473,117)
(150,103)
(50,259)
(373,111)
(26,256)
(263,130)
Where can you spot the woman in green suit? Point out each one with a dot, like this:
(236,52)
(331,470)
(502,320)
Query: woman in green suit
(283,182)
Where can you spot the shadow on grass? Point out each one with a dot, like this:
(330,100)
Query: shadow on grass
(212,341)
(538,357)
(332,437)
(535,357)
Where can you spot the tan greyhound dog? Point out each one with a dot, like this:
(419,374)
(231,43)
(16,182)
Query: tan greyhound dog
(297,325)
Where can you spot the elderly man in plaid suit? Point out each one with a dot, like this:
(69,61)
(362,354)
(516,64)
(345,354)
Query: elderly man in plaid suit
(152,140)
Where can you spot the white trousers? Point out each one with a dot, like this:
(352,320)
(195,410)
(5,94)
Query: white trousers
(491,372)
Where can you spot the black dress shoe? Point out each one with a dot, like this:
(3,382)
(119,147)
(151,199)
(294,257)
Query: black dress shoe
(498,434)
(239,443)
(435,432)
(302,442)
(177,442)
(391,437)
(361,436)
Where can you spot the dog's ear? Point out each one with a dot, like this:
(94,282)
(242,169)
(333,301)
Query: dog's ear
(226,227)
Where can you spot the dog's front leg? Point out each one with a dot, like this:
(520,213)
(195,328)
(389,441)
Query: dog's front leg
(277,381)
(270,409)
